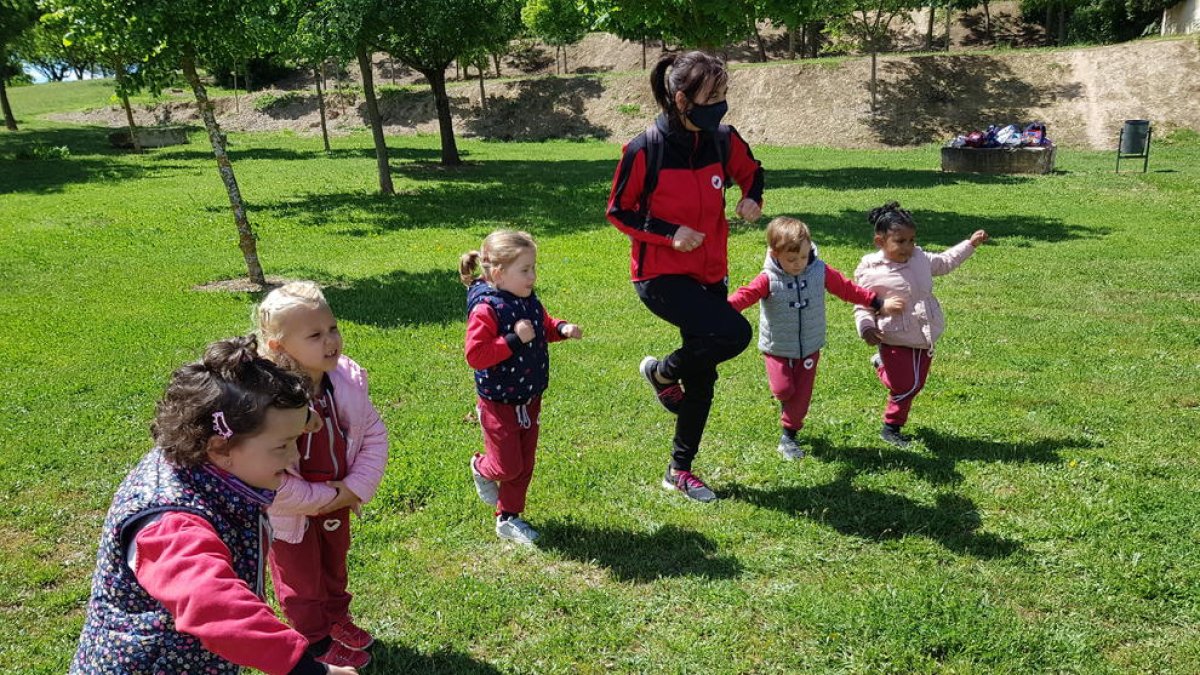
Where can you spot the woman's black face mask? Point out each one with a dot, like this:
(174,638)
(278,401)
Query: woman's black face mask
(708,117)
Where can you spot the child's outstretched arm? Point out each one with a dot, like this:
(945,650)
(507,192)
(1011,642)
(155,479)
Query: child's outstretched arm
(182,562)
(559,329)
(758,289)
(949,260)
(848,291)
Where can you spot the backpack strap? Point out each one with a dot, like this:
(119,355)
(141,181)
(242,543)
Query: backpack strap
(723,139)
(654,160)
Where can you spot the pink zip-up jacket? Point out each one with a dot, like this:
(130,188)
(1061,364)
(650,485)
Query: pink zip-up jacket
(366,454)
(921,323)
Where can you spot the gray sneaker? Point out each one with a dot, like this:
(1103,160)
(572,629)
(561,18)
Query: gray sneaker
(876,361)
(488,490)
(789,448)
(515,529)
(693,488)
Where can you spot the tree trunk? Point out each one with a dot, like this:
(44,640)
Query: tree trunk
(566,69)
(392,68)
(762,50)
(874,55)
(133,134)
(1049,23)
(791,33)
(381,151)
(929,27)
(496,62)
(321,107)
(482,96)
(10,122)
(457,70)
(1062,24)
(987,19)
(437,82)
(949,12)
(246,238)
(237,102)
(644,41)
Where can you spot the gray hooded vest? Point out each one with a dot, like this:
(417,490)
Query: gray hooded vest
(791,320)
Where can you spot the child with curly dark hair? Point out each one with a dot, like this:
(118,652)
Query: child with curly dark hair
(178,585)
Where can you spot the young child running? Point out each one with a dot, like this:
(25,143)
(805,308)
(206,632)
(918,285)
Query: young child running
(507,334)
(339,470)
(178,585)
(791,318)
(906,340)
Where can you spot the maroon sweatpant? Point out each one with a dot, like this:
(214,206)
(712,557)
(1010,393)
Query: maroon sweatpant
(310,577)
(510,435)
(903,372)
(792,385)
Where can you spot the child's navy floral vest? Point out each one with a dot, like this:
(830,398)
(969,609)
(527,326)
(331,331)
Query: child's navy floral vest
(127,630)
(524,375)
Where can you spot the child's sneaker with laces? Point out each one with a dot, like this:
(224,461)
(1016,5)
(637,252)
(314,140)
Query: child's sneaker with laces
(488,490)
(876,361)
(339,654)
(789,448)
(890,433)
(516,529)
(693,488)
(351,635)
(669,395)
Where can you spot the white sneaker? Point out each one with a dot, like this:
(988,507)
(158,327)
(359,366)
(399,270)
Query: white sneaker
(515,529)
(488,490)
(876,361)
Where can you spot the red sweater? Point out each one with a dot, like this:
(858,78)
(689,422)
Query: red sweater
(182,563)
(690,192)
(835,282)
(486,347)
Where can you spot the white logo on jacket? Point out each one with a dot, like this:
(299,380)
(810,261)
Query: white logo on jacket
(716,182)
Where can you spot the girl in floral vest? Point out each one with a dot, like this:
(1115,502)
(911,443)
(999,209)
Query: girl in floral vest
(179,574)
(906,340)
(790,293)
(508,331)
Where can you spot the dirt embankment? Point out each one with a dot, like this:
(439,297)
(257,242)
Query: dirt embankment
(1082,95)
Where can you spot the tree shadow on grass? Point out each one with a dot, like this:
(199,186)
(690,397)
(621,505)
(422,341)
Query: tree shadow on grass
(952,520)
(877,178)
(545,198)
(640,557)
(236,153)
(390,658)
(946,228)
(32,161)
(400,298)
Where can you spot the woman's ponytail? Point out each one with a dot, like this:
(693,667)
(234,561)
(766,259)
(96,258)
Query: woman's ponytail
(658,84)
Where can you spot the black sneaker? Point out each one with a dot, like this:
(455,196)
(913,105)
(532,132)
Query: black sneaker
(890,433)
(669,395)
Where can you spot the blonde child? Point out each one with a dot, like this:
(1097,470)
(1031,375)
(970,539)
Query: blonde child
(906,340)
(791,325)
(339,470)
(508,331)
(178,582)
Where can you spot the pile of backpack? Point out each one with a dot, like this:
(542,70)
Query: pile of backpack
(1004,136)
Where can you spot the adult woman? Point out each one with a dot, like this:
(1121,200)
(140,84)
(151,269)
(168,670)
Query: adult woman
(668,196)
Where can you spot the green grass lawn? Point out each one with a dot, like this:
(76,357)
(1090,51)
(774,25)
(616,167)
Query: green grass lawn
(1046,520)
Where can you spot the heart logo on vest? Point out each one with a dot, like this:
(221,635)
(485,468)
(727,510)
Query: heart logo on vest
(716,182)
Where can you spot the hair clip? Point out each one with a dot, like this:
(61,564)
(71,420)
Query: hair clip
(221,426)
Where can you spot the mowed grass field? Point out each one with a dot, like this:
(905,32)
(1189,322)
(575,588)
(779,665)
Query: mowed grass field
(1044,521)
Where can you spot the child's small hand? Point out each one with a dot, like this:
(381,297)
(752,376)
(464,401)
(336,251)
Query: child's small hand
(873,336)
(571,331)
(524,330)
(686,239)
(748,210)
(340,670)
(892,306)
(979,237)
(345,498)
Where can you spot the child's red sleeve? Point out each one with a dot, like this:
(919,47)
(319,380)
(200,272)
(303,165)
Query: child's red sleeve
(751,293)
(182,563)
(837,284)
(485,346)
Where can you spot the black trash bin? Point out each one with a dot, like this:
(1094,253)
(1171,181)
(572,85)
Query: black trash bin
(1134,142)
